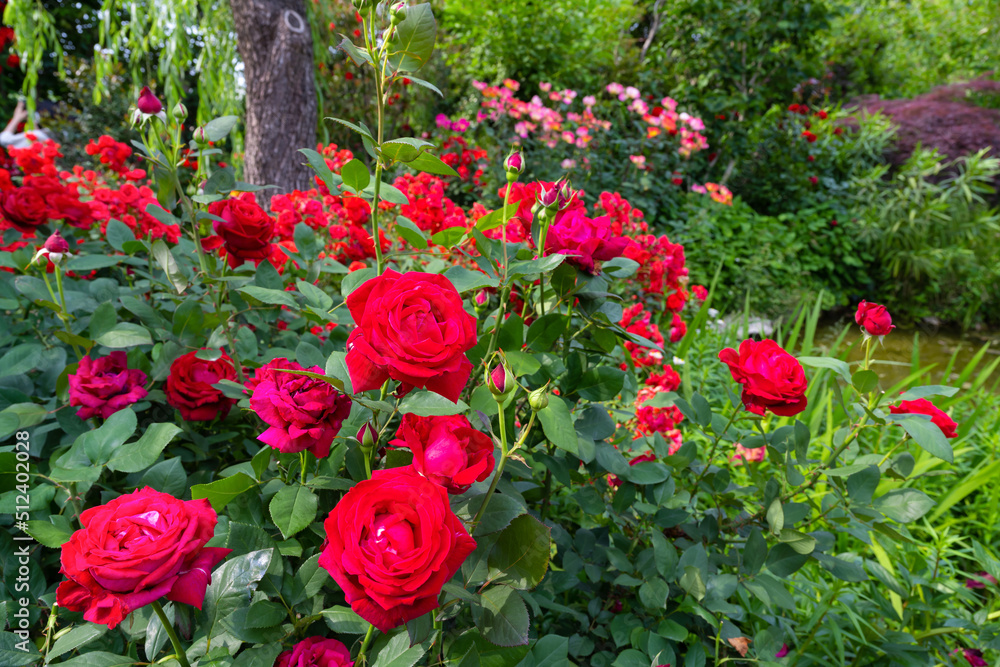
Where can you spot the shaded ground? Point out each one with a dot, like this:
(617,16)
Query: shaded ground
(946,118)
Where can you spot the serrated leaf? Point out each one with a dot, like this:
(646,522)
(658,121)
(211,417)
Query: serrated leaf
(293,508)
(222,491)
(125,334)
(139,455)
(502,616)
(520,556)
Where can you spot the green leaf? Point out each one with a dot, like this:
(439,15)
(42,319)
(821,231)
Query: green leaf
(222,491)
(904,505)
(142,453)
(754,552)
(118,234)
(532,266)
(836,365)
(431,164)
(293,509)
(355,175)
(784,561)
(520,556)
(799,541)
(410,233)
(358,56)
(322,169)
(692,582)
(926,434)
(218,129)
(776,516)
(125,334)
(89,659)
(357,128)
(20,359)
(557,424)
(601,383)
(428,403)
(501,511)
(653,593)
(91,262)
(19,416)
(78,636)
(165,258)
(404,149)
(502,616)
(273,297)
(232,587)
(397,652)
(466,280)
(47,534)
(413,42)
(865,381)
(101,443)
(343,620)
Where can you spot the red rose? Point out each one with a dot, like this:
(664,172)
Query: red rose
(189,386)
(245,229)
(148,103)
(447,450)
(24,208)
(102,387)
(135,550)
(316,652)
(772,379)
(413,328)
(392,543)
(922,406)
(302,412)
(874,319)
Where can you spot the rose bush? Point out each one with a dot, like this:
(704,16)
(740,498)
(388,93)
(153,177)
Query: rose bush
(439,439)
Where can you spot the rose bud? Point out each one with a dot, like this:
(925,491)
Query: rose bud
(148,102)
(874,319)
(367,437)
(397,13)
(179,111)
(566,195)
(548,197)
(500,381)
(56,243)
(538,399)
(199,136)
(514,164)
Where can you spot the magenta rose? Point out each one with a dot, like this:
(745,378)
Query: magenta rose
(411,327)
(392,543)
(23,208)
(136,549)
(102,387)
(303,413)
(585,240)
(772,379)
(447,450)
(316,652)
(874,319)
(922,406)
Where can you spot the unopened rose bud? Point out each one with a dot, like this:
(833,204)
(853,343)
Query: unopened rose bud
(362,5)
(179,111)
(367,436)
(481,301)
(514,164)
(500,381)
(538,399)
(566,195)
(397,13)
(56,243)
(148,102)
(199,136)
(549,197)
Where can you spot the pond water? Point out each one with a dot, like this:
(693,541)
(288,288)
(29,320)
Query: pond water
(936,346)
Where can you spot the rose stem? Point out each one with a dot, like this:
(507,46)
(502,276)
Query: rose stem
(364,644)
(503,461)
(174,639)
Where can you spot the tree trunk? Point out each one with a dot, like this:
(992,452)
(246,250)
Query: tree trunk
(275,42)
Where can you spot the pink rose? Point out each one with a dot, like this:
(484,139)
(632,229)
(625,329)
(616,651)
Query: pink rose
(586,240)
(102,387)
(303,413)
